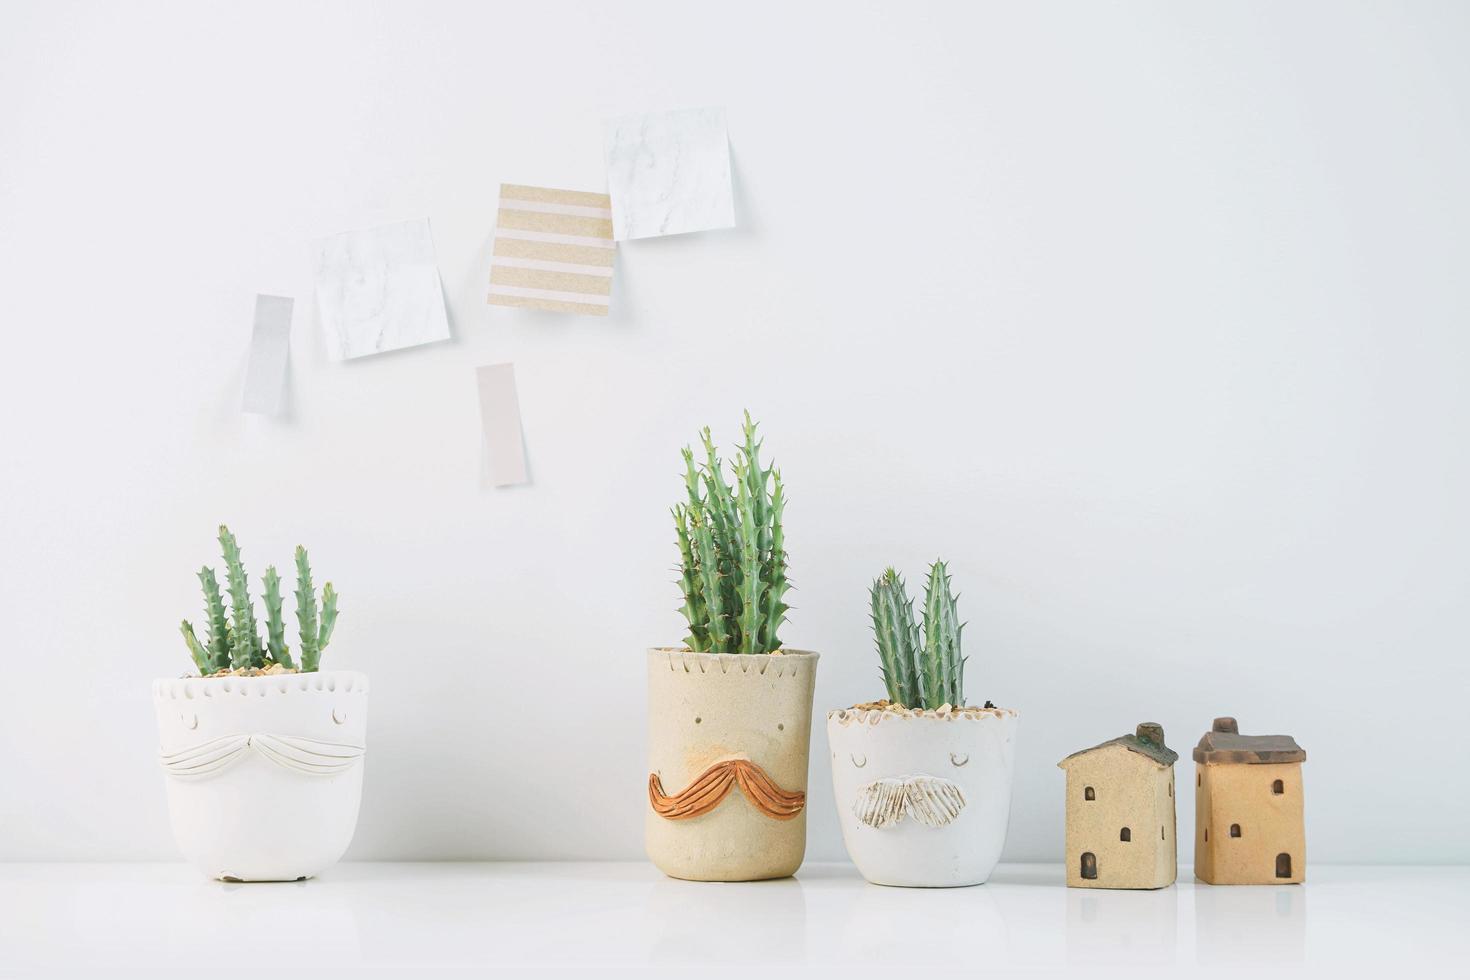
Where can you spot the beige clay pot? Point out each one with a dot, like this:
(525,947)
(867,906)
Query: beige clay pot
(728,740)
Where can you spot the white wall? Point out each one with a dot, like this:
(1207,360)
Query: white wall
(1151,317)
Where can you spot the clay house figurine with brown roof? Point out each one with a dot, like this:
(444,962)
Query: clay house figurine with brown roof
(1248,808)
(1120,812)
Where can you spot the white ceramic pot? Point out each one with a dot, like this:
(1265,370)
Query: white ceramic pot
(264,773)
(923,799)
(728,740)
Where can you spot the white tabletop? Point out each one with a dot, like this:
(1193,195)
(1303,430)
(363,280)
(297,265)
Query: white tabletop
(150,917)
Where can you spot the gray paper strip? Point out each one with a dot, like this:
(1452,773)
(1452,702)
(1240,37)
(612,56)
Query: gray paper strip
(500,420)
(270,346)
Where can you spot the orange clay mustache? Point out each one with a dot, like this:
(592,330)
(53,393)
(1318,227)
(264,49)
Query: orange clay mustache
(713,785)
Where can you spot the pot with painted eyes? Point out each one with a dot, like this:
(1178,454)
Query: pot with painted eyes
(922,780)
(924,797)
(264,773)
(730,712)
(262,752)
(728,739)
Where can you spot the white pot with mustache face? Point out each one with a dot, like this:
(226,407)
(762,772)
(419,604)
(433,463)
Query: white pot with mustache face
(728,740)
(264,774)
(923,799)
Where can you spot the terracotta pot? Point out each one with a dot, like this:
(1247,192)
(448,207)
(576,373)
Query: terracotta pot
(923,799)
(264,774)
(728,739)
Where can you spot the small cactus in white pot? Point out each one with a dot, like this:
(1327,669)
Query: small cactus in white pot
(922,780)
(729,713)
(262,754)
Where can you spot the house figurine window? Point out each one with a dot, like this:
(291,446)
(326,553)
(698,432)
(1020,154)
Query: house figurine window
(1088,794)
(1235,830)
(1278,787)
(1283,865)
(1089,865)
(1125,834)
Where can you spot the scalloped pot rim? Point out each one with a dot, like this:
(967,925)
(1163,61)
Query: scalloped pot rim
(775,655)
(328,681)
(873,716)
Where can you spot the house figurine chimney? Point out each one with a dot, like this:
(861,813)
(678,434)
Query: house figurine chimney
(1151,731)
(1226,725)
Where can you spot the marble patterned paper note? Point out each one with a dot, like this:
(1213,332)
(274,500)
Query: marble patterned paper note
(270,348)
(668,173)
(500,421)
(553,250)
(378,289)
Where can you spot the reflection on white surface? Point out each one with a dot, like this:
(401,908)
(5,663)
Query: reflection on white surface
(1242,924)
(158,916)
(771,914)
(1122,928)
(878,920)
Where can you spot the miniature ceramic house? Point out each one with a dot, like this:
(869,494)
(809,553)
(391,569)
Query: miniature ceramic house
(1120,812)
(1248,827)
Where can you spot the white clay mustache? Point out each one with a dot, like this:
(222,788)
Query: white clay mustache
(931,800)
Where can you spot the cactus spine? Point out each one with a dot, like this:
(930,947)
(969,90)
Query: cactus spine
(927,674)
(233,640)
(732,550)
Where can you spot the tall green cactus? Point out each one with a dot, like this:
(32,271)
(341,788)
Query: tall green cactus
(219,627)
(694,605)
(774,613)
(306,622)
(245,646)
(233,640)
(940,665)
(329,620)
(897,637)
(275,623)
(732,550)
(919,675)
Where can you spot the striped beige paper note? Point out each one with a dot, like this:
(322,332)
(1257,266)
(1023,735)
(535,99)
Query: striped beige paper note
(553,250)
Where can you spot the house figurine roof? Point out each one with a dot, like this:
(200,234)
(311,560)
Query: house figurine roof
(1147,741)
(1224,743)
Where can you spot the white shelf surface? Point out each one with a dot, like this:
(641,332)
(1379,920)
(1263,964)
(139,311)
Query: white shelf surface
(154,917)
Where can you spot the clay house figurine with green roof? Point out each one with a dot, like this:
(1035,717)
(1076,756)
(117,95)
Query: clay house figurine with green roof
(1120,812)
(1248,808)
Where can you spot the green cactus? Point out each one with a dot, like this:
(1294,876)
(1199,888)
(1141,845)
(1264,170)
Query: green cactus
(233,640)
(939,671)
(245,646)
(774,569)
(275,623)
(329,620)
(732,550)
(897,637)
(919,675)
(219,627)
(306,621)
(694,606)
(201,656)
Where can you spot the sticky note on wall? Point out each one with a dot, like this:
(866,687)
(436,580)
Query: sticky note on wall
(270,349)
(378,289)
(553,250)
(500,422)
(669,173)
